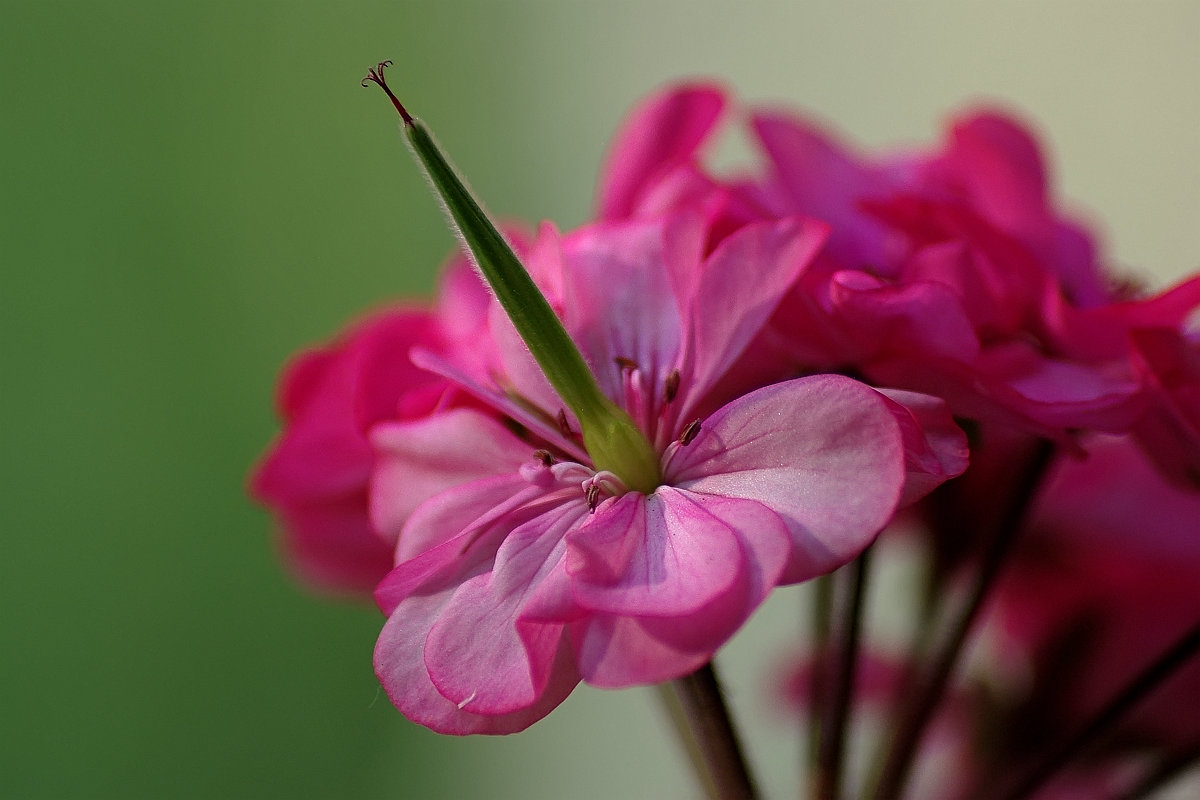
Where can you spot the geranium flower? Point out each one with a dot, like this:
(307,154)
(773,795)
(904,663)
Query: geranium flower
(315,476)
(950,271)
(538,570)
(1101,586)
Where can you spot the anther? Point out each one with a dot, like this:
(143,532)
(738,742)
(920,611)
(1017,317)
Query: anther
(690,433)
(671,386)
(544,457)
(375,76)
(626,363)
(564,426)
(592,495)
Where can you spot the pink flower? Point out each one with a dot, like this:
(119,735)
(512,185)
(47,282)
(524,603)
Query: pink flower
(315,476)
(950,271)
(1108,579)
(534,570)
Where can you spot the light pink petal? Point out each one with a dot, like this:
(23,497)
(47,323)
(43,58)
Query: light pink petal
(418,459)
(740,286)
(824,452)
(495,397)
(935,448)
(619,301)
(459,508)
(400,666)
(479,653)
(454,531)
(617,652)
(649,556)
(660,134)
(673,554)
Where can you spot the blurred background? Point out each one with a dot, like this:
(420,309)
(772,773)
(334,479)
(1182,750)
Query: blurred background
(192,192)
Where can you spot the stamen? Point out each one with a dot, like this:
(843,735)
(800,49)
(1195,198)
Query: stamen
(626,363)
(375,76)
(671,386)
(544,457)
(564,427)
(690,433)
(592,495)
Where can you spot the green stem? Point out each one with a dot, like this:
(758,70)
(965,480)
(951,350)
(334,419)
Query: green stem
(612,439)
(918,711)
(1167,770)
(683,732)
(831,755)
(704,707)
(818,688)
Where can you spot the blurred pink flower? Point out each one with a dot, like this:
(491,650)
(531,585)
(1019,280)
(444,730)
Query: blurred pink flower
(1108,578)
(316,474)
(950,271)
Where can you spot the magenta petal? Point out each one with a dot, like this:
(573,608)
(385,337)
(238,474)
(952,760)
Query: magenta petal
(479,653)
(824,452)
(662,133)
(331,545)
(935,448)
(416,460)
(814,176)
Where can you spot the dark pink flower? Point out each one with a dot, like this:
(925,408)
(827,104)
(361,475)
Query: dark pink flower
(950,271)
(315,476)
(534,570)
(1108,578)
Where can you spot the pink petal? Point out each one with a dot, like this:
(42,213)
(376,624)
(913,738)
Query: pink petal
(617,652)
(660,134)
(479,653)
(935,448)
(400,666)
(648,556)
(730,307)
(416,460)
(824,452)
(816,177)
(618,300)
(331,545)
(920,317)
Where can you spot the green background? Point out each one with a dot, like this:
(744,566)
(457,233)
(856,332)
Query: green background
(191,192)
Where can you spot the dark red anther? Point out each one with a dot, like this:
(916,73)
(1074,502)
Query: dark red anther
(564,427)
(375,76)
(592,495)
(671,386)
(544,457)
(626,363)
(690,433)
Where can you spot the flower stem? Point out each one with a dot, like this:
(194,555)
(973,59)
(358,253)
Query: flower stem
(818,687)
(683,731)
(916,713)
(1167,770)
(1107,717)
(704,707)
(831,755)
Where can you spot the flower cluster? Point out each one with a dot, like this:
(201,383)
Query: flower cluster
(803,350)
